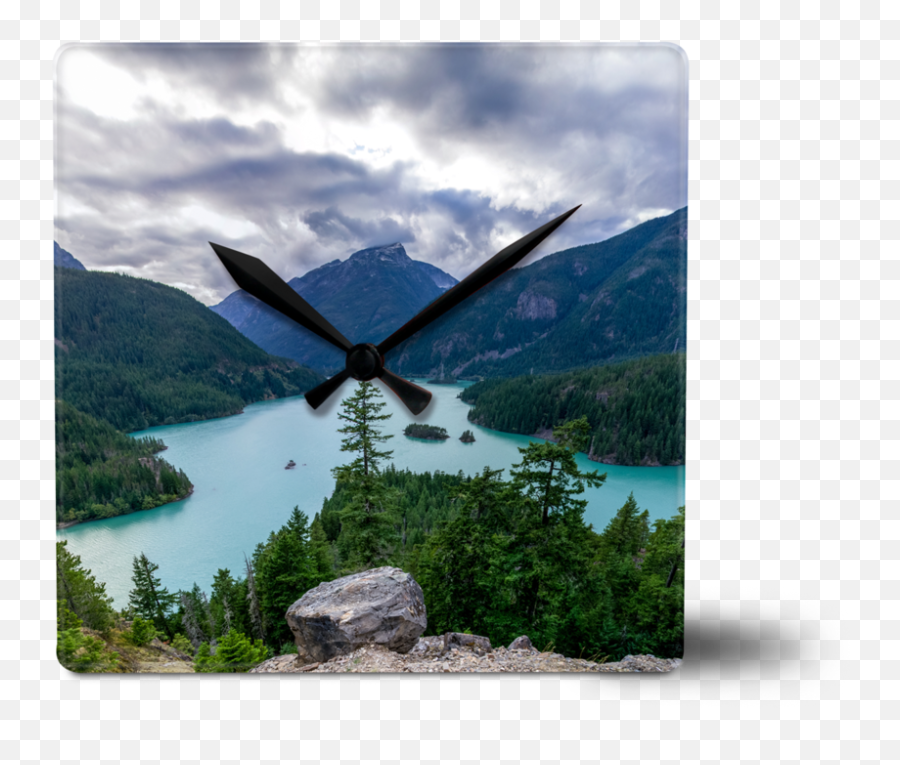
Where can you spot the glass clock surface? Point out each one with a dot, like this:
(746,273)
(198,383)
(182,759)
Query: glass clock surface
(370,358)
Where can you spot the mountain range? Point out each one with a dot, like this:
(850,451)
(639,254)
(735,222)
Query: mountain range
(366,297)
(594,304)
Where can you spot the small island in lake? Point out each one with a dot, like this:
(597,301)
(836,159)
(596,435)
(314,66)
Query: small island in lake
(432,432)
(291,465)
(467,437)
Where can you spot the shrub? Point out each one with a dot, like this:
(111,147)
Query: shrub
(234,653)
(181,643)
(79,652)
(142,631)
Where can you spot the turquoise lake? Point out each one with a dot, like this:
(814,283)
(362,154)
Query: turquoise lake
(242,491)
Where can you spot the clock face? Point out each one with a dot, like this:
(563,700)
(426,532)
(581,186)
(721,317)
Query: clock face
(336,440)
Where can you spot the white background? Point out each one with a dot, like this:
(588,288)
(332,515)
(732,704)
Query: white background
(792,549)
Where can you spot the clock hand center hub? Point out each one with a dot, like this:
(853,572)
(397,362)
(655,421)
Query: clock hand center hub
(364,362)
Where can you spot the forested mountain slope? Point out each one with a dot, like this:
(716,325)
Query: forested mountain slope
(101,473)
(137,353)
(618,299)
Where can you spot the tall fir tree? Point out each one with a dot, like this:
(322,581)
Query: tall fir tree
(149,598)
(552,545)
(368,533)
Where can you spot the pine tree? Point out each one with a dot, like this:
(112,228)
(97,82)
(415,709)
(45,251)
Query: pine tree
(83,595)
(149,598)
(368,534)
(548,473)
(552,539)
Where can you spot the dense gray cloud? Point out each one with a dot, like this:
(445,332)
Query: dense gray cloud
(301,155)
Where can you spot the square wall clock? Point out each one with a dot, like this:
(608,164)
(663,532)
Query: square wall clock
(370,358)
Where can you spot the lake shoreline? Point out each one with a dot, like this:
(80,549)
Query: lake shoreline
(61,525)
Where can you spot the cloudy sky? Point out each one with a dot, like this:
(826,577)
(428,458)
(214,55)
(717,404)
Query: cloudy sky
(300,155)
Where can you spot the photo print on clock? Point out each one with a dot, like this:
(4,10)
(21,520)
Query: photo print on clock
(370,358)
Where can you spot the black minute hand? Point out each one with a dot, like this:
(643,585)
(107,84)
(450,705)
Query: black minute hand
(255,277)
(480,277)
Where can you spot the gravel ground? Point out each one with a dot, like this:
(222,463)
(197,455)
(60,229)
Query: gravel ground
(376,658)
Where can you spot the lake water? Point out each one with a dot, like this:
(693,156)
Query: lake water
(242,491)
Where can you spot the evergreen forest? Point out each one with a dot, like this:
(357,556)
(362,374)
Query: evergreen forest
(635,409)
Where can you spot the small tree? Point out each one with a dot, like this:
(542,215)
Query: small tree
(149,598)
(235,653)
(142,631)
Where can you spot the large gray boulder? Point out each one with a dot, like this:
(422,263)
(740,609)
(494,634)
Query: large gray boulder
(383,606)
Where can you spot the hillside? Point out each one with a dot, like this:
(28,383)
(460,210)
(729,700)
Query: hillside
(137,353)
(366,297)
(636,409)
(618,299)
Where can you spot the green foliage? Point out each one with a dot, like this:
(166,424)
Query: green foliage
(65,618)
(421,430)
(149,599)
(181,643)
(136,354)
(80,592)
(422,501)
(286,648)
(235,652)
(79,652)
(142,631)
(285,569)
(620,299)
(468,437)
(635,409)
(229,606)
(548,475)
(101,473)
(457,565)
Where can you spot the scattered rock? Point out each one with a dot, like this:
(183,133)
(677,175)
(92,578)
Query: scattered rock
(522,643)
(381,607)
(291,465)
